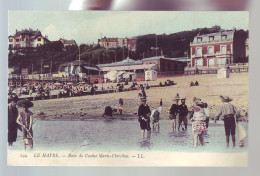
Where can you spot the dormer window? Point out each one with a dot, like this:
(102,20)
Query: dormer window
(223,37)
(211,38)
(199,39)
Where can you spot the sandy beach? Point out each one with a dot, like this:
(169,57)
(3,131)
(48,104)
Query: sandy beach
(210,88)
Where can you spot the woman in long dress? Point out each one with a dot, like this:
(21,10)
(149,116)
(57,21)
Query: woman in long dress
(12,116)
(25,120)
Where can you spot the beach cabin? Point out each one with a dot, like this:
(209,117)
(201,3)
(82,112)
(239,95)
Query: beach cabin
(223,73)
(150,75)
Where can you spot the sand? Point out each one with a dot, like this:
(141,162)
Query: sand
(210,89)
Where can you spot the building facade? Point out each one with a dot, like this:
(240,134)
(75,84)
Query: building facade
(26,39)
(67,42)
(108,43)
(217,49)
(167,65)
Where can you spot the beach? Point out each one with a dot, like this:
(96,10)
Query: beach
(209,89)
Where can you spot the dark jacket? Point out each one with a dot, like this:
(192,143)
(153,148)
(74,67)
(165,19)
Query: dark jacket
(143,111)
(174,109)
(183,110)
(12,125)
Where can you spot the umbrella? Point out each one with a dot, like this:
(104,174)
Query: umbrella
(28,103)
(57,84)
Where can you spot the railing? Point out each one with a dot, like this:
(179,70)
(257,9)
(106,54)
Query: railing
(214,71)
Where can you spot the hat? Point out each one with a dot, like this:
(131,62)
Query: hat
(226,98)
(197,101)
(177,97)
(183,99)
(26,102)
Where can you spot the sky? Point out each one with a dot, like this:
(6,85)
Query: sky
(87,27)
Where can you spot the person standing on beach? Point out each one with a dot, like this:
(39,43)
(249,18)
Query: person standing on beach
(144,113)
(12,116)
(183,112)
(230,114)
(25,120)
(160,107)
(173,112)
(121,104)
(155,117)
(198,121)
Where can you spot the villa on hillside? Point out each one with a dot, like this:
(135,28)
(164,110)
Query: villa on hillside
(67,42)
(107,43)
(26,39)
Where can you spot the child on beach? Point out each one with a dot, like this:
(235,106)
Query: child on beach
(198,121)
(155,117)
(25,120)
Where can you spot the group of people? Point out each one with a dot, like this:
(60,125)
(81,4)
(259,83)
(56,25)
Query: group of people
(20,120)
(167,83)
(199,116)
(194,84)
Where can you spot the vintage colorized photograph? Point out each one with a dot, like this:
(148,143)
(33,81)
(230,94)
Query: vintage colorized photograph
(128,88)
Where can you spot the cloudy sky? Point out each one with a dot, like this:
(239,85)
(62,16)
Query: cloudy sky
(89,26)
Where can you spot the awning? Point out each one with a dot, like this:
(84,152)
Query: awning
(91,68)
(130,67)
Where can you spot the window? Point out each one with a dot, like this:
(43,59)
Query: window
(211,62)
(199,62)
(10,40)
(198,51)
(17,40)
(223,37)
(223,49)
(22,39)
(199,39)
(211,38)
(10,46)
(210,50)
(222,61)
(27,39)
(39,39)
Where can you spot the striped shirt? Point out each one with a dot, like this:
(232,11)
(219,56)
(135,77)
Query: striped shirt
(226,109)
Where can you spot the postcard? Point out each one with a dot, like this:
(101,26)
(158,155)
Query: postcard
(121,88)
